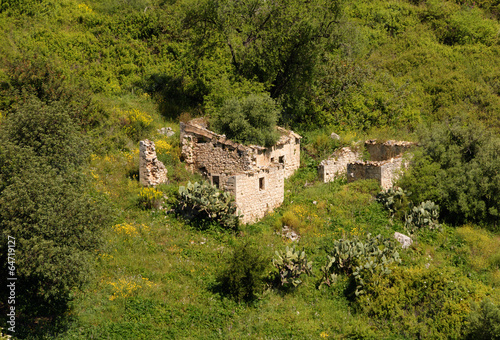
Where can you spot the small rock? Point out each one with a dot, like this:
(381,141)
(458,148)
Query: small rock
(405,241)
(314,202)
(167,131)
(289,233)
(334,136)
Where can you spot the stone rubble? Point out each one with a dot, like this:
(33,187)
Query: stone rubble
(167,131)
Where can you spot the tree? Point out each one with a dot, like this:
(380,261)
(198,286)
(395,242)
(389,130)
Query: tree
(46,207)
(277,43)
(251,120)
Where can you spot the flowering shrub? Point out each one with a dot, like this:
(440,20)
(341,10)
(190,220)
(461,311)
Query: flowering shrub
(150,198)
(129,229)
(137,124)
(162,147)
(126,287)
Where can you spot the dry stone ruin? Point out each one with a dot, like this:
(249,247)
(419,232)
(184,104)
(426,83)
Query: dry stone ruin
(385,164)
(151,171)
(255,175)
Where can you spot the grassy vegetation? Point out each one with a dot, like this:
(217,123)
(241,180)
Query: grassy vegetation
(118,71)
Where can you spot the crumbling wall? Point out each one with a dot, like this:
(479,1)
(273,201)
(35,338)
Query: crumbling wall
(151,171)
(385,172)
(286,151)
(254,174)
(209,153)
(387,150)
(385,163)
(363,170)
(257,192)
(204,150)
(391,171)
(336,164)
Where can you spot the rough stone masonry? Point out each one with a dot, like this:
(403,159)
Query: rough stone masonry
(253,174)
(151,171)
(385,164)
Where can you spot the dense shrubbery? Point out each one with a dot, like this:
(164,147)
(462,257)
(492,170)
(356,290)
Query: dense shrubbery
(244,276)
(46,206)
(459,170)
(484,321)
(417,301)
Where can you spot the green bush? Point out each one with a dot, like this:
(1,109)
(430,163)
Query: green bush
(420,302)
(244,276)
(459,169)
(46,207)
(203,203)
(290,265)
(251,120)
(484,321)
(49,131)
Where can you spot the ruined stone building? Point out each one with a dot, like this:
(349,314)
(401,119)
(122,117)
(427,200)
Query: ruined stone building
(253,174)
(385,164)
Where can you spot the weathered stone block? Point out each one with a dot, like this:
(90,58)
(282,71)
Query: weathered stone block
(151,171)
(404,240)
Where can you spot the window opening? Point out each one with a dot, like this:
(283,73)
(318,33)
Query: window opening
(215,181)
(261,183)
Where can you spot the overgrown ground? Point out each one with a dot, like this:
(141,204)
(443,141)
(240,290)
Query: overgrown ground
(386,68)
(157,275)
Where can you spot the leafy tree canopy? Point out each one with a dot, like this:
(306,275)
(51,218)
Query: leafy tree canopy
(459,169)
(46,207)
(251,120)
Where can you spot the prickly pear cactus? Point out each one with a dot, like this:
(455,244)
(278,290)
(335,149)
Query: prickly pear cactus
(204,203)
(394,200)
(291,264)
(360,260)
(425,215)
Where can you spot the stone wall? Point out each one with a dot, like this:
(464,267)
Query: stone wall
(387,150)
(151,171)
(385,172)
(209,153)
(213,154)
(286,151)
(254,174)
(257,192)
(391,170)
(385,163)
(336,164)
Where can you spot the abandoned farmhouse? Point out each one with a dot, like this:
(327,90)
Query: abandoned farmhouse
(253,174)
